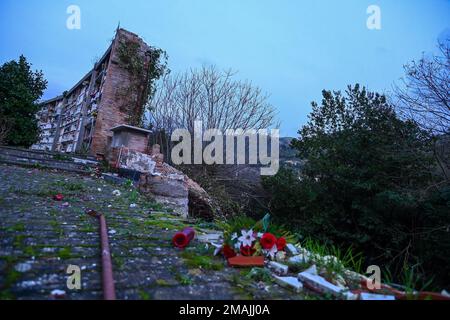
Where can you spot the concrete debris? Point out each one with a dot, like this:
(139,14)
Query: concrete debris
(298,259)
(372,296)
(278,268)
(210,237)
(291,249)
(321,285)
(22,267)
(58,294)
(289,282)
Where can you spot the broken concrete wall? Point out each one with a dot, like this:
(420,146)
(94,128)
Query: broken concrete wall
(164,183)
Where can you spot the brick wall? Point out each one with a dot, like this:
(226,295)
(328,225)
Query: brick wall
(117,78)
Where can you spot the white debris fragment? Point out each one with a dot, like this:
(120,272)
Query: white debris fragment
(116,193)
(133,205)
(372,296)
(58,293)
(112,231)
(311,270)
(99,189)
(280,256)
(321,285)
(445,293)
(298,259)
(22,267)
(278,267)
(289,282)
(291,249)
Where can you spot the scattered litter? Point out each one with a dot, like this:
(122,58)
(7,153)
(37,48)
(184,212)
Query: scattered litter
(22,267)
(112,231)
(183,238)
(289,282)
(298,259)
(65,204)
(321,285)
(116,193)
(99,189)
(291,249)
(58,294)
(92,213)
(278,267)
(372,296)
(133,205)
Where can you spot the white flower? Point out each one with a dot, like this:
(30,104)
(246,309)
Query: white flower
(218,248)
(247,238)
(234,236)
(272,252)
(260,234)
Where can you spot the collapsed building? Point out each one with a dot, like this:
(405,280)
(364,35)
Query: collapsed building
(109,100)
(100,117)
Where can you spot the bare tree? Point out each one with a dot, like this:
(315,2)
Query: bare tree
(211,96)
(424,94)
(4,129)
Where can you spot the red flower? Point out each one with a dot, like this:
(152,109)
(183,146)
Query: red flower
(247,251)
(268,240)
(228,252)
(281,244)
(180,240)
(58,197)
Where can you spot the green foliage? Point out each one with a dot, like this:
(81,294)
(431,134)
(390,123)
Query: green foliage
(143,76)
(20,89)
(368,183)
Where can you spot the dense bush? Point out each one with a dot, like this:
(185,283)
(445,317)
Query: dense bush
(20,89)
(369,183)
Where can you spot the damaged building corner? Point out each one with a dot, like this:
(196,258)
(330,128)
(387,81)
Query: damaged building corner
(81,119)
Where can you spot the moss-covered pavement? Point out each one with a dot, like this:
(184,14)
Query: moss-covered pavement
(41,237)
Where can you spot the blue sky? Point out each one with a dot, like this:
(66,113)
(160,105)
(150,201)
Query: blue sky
(292,49)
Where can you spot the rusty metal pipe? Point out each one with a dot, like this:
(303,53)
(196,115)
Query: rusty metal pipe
(109,292)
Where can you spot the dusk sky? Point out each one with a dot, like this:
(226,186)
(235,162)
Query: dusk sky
(291,49)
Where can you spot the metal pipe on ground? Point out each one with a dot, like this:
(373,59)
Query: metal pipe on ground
(109,292)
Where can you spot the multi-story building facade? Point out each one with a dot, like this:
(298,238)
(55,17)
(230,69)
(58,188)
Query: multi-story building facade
(81,119)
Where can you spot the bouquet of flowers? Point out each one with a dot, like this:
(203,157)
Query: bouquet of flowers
(254,241)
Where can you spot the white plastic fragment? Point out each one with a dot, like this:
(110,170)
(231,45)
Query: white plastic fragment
(321,285)
(291,249)
(278,267)
(58,293)
(311,270)
(298,259)
(289,282)
(372,296)
(22,267)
